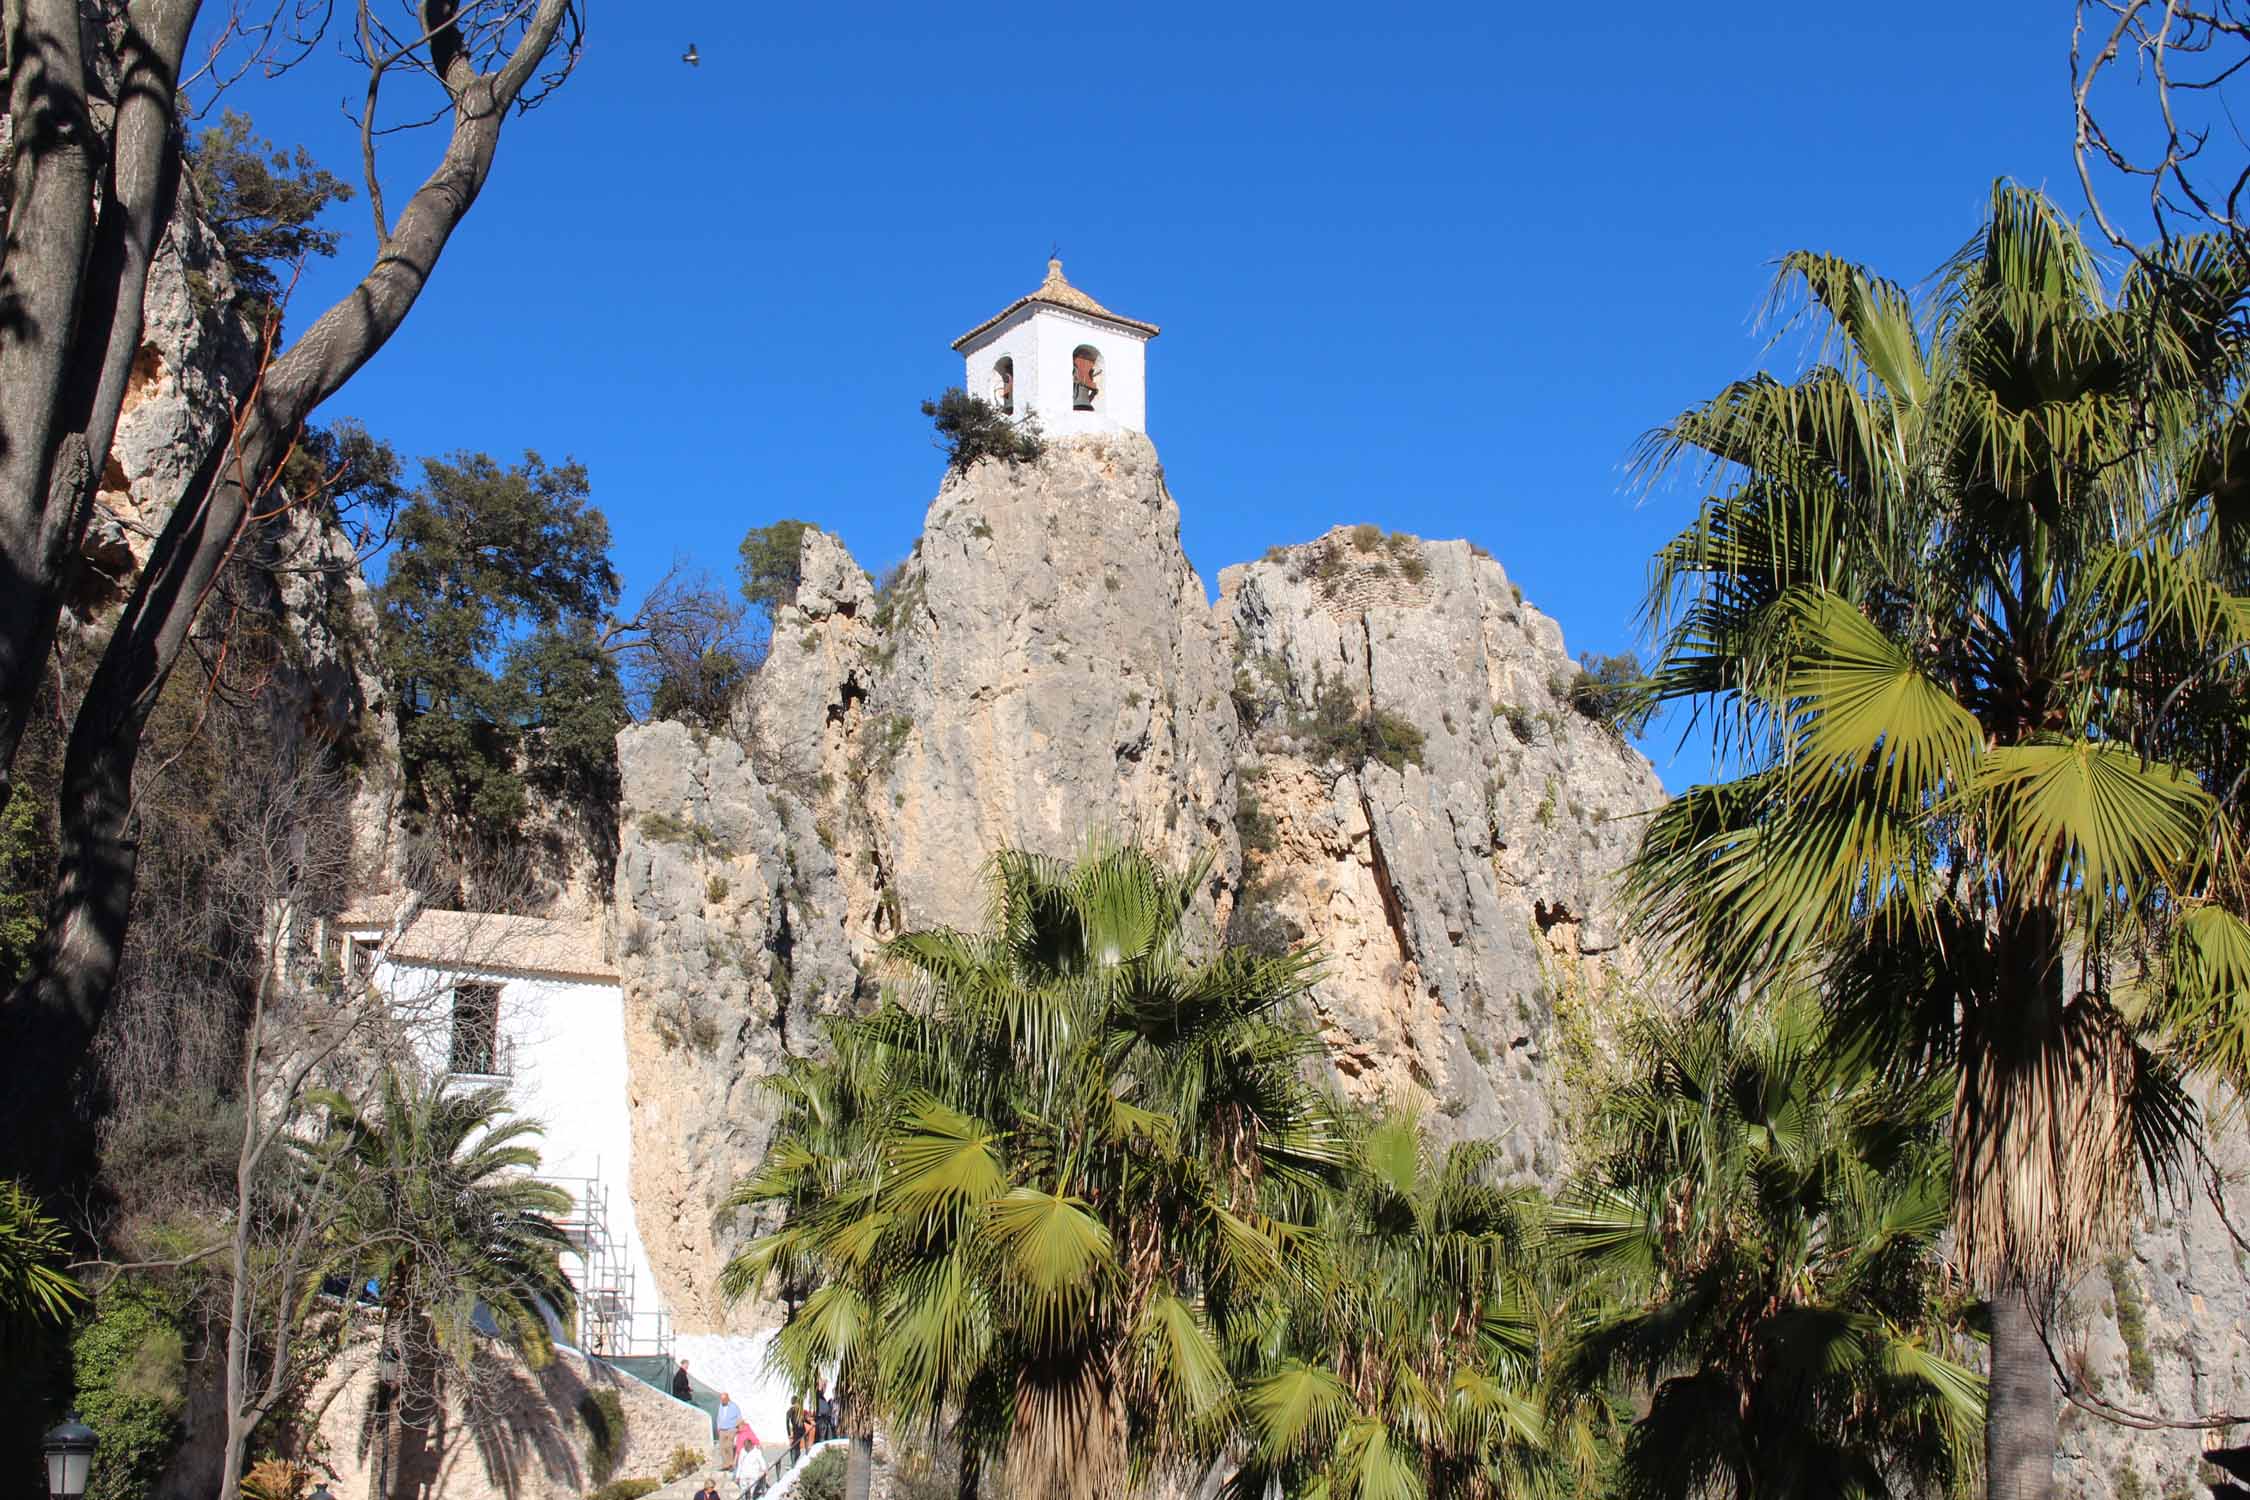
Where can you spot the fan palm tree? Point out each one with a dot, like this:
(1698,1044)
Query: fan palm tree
(1407,1364)
(1754,1243)
(1938,601)
(438,1210)
(35,1290)
(1026,1196)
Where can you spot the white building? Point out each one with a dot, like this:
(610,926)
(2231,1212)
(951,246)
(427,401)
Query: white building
(534,1006)
(1063,356)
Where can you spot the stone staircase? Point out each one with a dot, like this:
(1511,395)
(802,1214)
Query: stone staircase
(776,1489)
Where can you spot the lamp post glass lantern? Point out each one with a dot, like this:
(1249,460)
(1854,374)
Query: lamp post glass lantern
(70,1457)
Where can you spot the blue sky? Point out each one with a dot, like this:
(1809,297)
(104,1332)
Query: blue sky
(1436,269)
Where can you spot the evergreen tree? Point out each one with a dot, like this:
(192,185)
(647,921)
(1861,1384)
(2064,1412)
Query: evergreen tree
(491,611)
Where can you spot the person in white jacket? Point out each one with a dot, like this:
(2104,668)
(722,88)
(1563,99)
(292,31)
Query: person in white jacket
(749,1462)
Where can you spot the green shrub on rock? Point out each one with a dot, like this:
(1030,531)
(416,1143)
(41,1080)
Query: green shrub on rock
(970,428)
(132,1386)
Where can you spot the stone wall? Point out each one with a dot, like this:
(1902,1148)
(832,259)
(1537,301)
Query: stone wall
(520,1437)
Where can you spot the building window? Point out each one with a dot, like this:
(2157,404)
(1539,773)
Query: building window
(476,1029)
(1004,384)
(1085,377)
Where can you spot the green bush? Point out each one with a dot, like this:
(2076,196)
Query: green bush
(1341,733)
(625,1489)
(603,1412)
(1611,690)
(132,1385)
(970,428)
(683,1462)
(824,1477)
(772,565)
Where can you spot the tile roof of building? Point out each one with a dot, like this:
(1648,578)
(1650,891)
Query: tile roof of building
(485,940)
(1056,292)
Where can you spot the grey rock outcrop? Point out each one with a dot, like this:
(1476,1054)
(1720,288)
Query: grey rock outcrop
(195,360)
(730,941)
(1046,668)
(2163,1329)
(1464,895)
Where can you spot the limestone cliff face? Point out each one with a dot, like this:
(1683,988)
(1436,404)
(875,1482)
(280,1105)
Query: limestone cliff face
(1464,895)
(729,941)
(1375,736)
(1045,668)
(195,361)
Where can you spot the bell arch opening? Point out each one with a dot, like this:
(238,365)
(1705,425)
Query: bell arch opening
(1085,377)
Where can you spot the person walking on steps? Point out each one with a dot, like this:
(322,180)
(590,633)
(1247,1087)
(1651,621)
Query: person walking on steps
(749,1462)
(683,1389)
(723,1427)
(799,1427)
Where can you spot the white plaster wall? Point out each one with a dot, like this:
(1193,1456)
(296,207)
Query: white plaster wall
(1015,340)
(736,1364)
(1041,340)
(562,1042)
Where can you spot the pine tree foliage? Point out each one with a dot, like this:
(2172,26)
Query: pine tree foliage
(492,609)
(264,203)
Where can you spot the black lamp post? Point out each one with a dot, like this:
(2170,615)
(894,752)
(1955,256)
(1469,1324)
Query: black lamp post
(70,1457)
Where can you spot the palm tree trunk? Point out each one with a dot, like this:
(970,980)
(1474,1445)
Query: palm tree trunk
(2014,1188)
(2019,1423)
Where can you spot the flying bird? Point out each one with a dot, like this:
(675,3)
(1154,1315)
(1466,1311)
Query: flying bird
(690,58)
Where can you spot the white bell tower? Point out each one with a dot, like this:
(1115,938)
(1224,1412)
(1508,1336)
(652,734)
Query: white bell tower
(1060,354)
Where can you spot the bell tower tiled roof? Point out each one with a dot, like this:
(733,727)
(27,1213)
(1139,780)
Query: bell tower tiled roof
(1056,292)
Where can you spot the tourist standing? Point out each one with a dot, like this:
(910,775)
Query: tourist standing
(683,1389)
(824,1414)
(799,1426)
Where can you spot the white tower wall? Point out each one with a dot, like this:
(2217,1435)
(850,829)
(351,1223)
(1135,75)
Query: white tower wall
(1042,340)
(1041,335)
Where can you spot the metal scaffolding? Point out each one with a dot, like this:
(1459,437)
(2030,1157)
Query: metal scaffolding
(610,1321)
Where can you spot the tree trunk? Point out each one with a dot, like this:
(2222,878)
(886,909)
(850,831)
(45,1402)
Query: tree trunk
(2019,1424)
(859,1467)
(42,268)
(56,1012)
(71,292)
(2028,1186)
